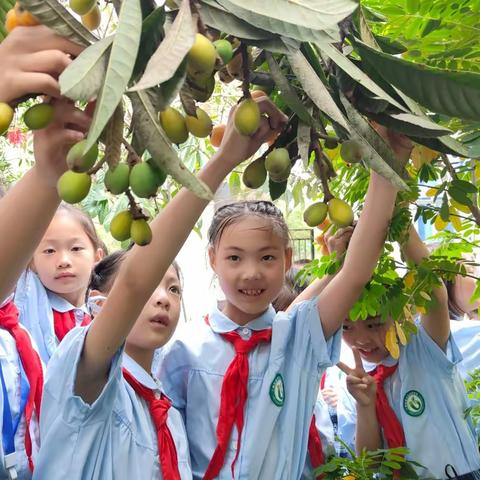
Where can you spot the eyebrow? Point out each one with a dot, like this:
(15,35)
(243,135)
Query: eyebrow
(263,249)
(56,240)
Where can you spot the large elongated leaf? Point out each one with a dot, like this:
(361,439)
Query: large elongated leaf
(351,69)
(150,133)
(120,67)
(163,95)
(55,16)
(287,92)
(453,93)
(285,27)
(315,88)
(83,78)
(226,22)
(313,14)
(410,124)
(378,155)
(169,55)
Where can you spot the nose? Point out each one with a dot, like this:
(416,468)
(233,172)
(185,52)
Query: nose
(63,260)
(251,271)
(161,298)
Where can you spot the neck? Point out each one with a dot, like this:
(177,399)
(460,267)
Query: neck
(143,357)
(77,299)
(238,316)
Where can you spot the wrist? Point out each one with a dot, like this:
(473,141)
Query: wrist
(214,172)
(366,409)
(46,180)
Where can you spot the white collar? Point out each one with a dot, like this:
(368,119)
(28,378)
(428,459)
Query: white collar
(61,305)
(139,373)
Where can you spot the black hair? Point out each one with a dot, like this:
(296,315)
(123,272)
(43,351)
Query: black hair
(291,290)
(234,212)
(105,271)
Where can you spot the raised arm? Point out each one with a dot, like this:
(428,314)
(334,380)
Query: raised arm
(31,60)
(335,243)
(437,321)
(366,244)
(144,267)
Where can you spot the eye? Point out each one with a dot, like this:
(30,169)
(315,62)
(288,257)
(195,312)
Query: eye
(233,258)
(268,258)
(346,328)
(49,251)
(373,326)
(77,248)
(176,289)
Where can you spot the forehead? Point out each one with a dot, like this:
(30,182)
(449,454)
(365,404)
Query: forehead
(64,225)
(171,274)
(250,232)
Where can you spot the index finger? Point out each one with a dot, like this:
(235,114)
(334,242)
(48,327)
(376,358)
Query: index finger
(358,360)
(276,117)
(344,368)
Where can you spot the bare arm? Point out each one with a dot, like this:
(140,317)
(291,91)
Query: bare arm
(32,58)
(35,195)
(365,246)
(144,267)
(437,321)
(363,389)
(338,243)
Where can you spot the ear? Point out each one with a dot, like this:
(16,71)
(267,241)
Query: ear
(288,258)
(99,254)
(211,257)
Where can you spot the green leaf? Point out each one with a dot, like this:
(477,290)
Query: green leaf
(445,144)
(234,183)
(303,142)
(120,67)
(313,14)
(315,88)
(378,155)
(169,55)
(287,92)
(274,17)
(276,189)
(55,16)
(351,69)
(410,124)
(84,77)
(226,22)
(150,134)
(452,93)
(163,95)
(444,211)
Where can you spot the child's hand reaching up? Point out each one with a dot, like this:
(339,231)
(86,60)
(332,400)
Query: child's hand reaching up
(51,144)
(236,148)
(360,384)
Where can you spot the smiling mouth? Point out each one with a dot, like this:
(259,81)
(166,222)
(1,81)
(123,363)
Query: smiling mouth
(252,292)
(366,353)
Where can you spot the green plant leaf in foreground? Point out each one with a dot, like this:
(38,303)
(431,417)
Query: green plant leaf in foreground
(84,77)
(151,135)
(452,93)
(55,16)
(120,67)
(169,55)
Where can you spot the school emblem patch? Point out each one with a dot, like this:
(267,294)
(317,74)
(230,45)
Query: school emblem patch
(277,391)
(414,403)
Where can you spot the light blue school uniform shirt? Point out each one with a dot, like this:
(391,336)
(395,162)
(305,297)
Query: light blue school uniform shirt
(35,305)
(324,426)
(428,396)
(283,384)
(467,336)
(11,369)
(111,439)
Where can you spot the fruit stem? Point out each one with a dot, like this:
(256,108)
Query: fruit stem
(327,194)
(133,157)
(246,71)
(135,210)
(200,25)
(97,166)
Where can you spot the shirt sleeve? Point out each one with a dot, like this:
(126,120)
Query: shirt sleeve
(59,391)
(309,336)
(422,350)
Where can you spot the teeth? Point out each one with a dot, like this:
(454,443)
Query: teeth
(252,292)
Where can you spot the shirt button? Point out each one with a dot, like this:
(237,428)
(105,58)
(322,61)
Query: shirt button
(246,333)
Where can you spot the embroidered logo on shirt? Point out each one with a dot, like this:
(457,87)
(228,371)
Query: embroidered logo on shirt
(277,391)
(414,403)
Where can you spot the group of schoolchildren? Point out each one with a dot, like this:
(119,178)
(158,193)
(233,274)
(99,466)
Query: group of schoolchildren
(237,394)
